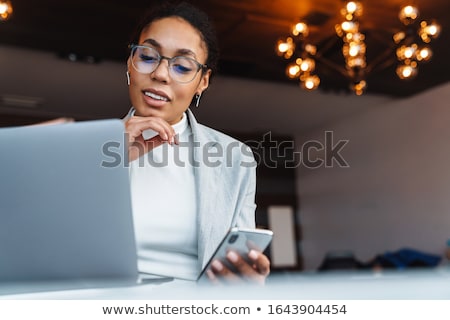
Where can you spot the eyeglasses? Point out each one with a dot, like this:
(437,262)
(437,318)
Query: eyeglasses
(181,69)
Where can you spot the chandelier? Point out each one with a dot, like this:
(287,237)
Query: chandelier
(410,46)
(5,9)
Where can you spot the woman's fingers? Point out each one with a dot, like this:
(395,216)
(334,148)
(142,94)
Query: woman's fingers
(139,147)
(261,262)
(135,126)
(254,272)
(221,272)
(138,127)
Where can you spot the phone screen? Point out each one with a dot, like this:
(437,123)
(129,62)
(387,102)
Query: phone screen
(241,241)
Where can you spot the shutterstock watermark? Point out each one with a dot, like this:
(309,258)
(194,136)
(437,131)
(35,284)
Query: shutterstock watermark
(312,154)
(267,151)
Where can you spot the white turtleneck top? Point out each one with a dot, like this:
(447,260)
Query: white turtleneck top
(164,208)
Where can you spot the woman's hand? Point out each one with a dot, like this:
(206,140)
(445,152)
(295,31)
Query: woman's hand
(135,126)
(255,272)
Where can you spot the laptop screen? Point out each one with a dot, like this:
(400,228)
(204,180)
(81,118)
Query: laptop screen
(65,208)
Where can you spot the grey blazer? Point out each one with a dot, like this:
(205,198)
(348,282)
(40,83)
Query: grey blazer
(225,177)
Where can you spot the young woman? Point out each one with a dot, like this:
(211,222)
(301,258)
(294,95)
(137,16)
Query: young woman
(190,183)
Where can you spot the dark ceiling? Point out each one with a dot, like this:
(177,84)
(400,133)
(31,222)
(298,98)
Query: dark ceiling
(247,29)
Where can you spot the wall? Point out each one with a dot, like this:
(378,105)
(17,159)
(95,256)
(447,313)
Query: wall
(395,192)
(86,91)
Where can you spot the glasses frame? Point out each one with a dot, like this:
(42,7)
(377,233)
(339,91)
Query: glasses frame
(133,47)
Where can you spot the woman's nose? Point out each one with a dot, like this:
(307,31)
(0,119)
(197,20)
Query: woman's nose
(161,73)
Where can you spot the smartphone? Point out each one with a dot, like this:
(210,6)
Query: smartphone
(241,241)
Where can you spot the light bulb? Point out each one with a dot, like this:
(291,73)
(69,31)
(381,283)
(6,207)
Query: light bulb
(409,52)
(310,82)
(359,87)
(356,62)
(6,10)
(432,30)
(293,71)
(408,14)
(406,71)
(300,29)
(349,26)
(424,54)
(429,31)
(307,65)
(285,48)
(353,49)
(311,49)
(356,49)
(351,7)
(399,36)
(406,52)
(354,8)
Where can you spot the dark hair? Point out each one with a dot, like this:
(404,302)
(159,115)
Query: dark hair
(191,14)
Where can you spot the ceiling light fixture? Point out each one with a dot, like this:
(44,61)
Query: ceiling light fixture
(410,46)
(6,10)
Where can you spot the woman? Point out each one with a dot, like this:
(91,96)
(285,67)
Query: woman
(190,183)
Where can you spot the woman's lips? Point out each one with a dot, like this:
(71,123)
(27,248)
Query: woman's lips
(156,96)
(156,99)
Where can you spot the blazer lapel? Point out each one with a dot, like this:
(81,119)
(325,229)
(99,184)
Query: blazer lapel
(204,182)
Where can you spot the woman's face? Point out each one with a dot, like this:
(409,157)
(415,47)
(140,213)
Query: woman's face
(157,94)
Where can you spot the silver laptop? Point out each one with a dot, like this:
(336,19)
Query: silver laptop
(65,208)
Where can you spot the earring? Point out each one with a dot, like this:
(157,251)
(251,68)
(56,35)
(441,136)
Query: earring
(197,97)
(128,78)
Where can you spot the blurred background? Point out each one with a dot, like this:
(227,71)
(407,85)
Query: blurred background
(348,171)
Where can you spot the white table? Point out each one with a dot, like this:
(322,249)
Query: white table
(411,284)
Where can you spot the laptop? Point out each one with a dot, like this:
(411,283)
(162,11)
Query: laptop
(65,205)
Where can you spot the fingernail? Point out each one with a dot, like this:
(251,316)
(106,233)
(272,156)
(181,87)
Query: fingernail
(253,254)
(210,274)
(217,265)
(232,256)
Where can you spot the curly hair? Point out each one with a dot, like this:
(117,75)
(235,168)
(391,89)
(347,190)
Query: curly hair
(194,16)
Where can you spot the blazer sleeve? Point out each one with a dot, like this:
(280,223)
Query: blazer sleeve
(246,216)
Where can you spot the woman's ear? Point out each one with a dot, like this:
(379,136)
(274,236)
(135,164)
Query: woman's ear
(204,82)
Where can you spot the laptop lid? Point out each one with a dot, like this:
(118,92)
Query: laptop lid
(65,207)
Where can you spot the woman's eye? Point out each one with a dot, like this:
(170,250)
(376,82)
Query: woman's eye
(146,58)
(181,68)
